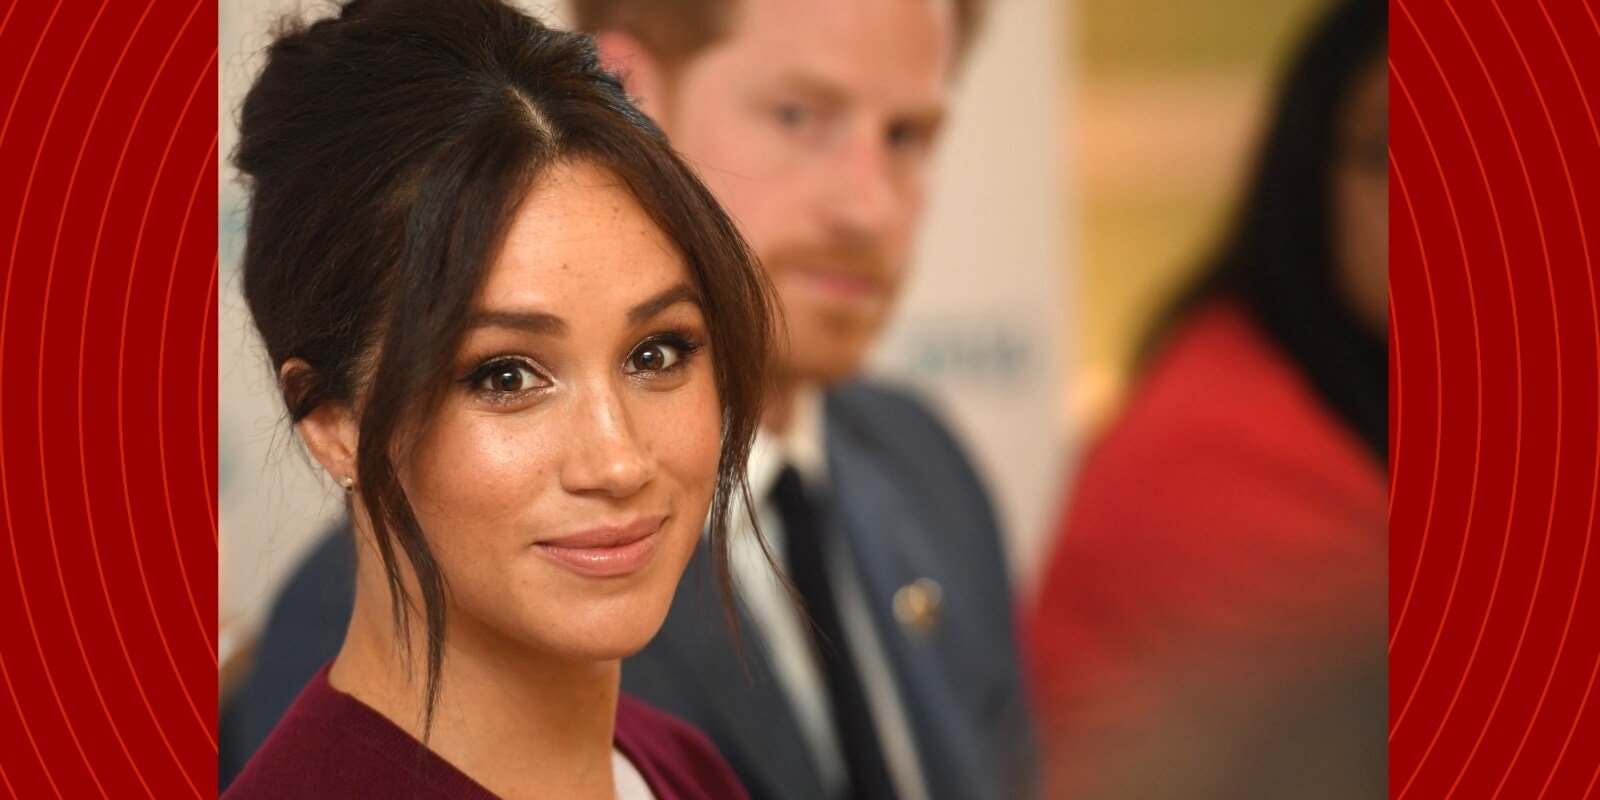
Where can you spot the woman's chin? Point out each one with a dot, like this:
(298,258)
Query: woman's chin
(607,635)
(573,620)
(612,646)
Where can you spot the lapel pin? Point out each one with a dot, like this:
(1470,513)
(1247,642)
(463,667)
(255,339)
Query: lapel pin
(917,606)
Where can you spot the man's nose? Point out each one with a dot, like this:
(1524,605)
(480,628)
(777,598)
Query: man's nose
(865,201)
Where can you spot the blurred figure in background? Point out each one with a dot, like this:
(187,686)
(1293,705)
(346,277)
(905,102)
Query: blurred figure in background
(1213,620)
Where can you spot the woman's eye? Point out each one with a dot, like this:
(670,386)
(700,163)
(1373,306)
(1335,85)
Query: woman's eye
(654,357)
(508,377)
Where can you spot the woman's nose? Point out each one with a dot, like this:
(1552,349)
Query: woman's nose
(605,454)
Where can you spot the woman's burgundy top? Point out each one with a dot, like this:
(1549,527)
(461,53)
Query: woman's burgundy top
(331,745)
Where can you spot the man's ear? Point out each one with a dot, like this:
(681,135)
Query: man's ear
(642,75)
(330,432)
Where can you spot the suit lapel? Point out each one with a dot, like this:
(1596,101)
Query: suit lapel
(890,544)
(763,736)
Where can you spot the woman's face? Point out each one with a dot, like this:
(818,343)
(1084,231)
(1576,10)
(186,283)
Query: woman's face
(1361,198)
(564,481)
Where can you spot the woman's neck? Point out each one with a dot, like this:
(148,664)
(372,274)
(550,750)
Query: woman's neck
(523,724)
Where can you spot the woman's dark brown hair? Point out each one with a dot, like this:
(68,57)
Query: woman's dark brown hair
(1277,258)
(385,151)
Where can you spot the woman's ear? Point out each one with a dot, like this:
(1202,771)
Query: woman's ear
(330,431)
(642,75)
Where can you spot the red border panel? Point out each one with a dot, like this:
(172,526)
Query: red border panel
(108,399)
(1495,575)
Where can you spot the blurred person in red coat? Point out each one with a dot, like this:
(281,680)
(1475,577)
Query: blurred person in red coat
(1213,620)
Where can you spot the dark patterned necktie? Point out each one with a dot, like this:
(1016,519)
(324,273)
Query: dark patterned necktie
(808,570)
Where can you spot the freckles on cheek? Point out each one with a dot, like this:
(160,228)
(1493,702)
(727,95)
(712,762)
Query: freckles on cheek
(478,469)
(691,442)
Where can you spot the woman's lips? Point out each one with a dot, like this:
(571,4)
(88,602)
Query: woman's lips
(609,552)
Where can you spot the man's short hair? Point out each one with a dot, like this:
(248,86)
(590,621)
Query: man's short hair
(675,31)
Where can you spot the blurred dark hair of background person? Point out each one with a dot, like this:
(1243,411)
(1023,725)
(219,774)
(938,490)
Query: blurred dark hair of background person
(1213,619)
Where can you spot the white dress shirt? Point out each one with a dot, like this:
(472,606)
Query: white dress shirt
(628,781)
(783,633)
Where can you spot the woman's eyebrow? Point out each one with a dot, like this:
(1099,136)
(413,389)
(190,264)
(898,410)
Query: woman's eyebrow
(529,321)
(546,323)
(680,293)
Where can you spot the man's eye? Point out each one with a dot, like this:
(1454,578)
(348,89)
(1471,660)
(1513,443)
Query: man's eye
(654,357)
(795,117)
(508,377)
(907,137)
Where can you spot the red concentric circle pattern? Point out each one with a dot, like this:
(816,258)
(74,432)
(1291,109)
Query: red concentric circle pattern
(108,157)
(108,164)
(1495,393)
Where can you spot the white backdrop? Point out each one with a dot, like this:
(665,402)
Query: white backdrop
(979,330)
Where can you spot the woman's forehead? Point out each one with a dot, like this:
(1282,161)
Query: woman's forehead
(579,235)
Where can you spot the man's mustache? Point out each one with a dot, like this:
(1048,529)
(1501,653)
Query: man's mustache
(863,261)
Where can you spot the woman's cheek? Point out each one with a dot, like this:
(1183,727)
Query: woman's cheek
(691,440)
(476,472)
(709,435)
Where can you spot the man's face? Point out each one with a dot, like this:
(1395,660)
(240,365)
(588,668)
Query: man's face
(813,123)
